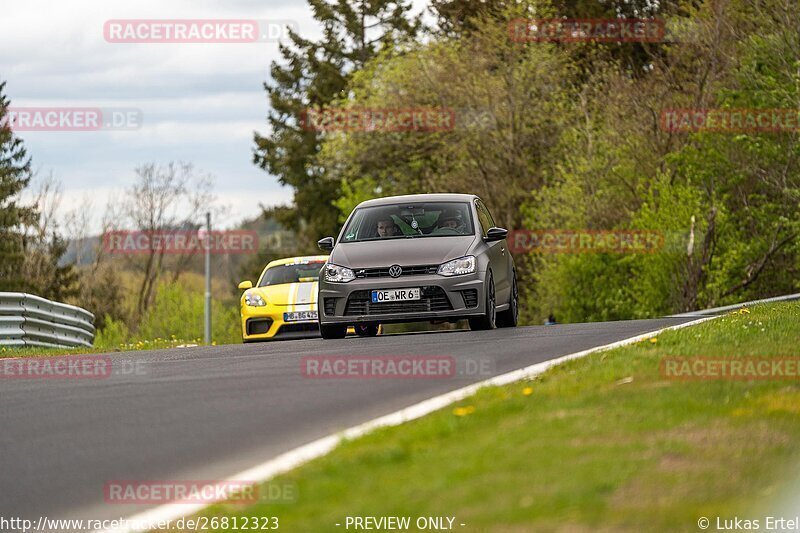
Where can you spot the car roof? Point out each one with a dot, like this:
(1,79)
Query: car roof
(298,259)
(413,198)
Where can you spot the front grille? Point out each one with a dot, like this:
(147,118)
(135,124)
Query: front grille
(470,297)
(383,272)
(433,299)
(258,326)
(289,328)
(330,306)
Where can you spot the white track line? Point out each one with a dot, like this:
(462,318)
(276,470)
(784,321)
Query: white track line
(296,457)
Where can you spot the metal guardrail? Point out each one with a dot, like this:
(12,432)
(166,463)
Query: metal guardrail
(28,320)
(718,310)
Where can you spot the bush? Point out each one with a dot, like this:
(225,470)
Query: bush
(113,335)
(176,317)
(178,311)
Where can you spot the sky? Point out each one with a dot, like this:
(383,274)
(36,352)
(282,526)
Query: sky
(199,102)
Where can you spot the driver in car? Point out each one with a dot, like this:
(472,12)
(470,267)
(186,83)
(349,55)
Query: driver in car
(387,228)
(449,222)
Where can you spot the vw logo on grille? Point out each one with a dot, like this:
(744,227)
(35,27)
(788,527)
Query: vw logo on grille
(395,271)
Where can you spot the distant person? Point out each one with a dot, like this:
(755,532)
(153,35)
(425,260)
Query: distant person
(387,228)
(551,320)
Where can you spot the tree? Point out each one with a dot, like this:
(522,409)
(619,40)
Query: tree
(164,198)
(459,17)
(311,75)
(509,103)
(15,174)
(45,274)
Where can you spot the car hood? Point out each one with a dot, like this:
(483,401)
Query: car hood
(288,293)
(412,251)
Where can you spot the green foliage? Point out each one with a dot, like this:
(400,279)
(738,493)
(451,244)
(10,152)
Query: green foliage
(15,174)
(354,192)
(178,313)
(568,136)
(510,105)
(726,203)
(102,293)
(311,75)
(114,334)
(175,318)
(45,275)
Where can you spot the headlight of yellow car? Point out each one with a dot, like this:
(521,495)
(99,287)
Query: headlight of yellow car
(254,300)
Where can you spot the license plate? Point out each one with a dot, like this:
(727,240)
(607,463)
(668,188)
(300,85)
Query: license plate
(395,295)
(297,316)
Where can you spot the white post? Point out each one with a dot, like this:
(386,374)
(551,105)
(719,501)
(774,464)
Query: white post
(208,281)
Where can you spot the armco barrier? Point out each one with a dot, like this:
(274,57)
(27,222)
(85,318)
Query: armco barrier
(28,320)
(725,309)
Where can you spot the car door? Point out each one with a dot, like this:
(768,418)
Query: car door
(498,255)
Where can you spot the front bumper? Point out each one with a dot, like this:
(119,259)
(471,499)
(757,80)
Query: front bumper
(443,298)
(267,323)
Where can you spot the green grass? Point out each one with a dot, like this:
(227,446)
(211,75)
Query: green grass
(603,442)
(155,344)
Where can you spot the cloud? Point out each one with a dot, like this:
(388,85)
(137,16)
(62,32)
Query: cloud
(201,103)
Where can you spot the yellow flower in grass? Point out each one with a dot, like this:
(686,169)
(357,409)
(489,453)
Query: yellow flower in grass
(653,340)
(527,391)
(463,411)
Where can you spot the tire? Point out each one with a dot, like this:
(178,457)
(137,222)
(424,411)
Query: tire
(510,317)
(489,319)
(333,331)
(366,330)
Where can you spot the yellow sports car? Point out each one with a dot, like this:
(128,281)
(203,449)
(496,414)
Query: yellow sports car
(283,304)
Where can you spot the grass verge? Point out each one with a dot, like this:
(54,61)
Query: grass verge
(133,346)
(600,443)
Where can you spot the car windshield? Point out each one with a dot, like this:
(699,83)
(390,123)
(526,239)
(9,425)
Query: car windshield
(291,273)
(409,220)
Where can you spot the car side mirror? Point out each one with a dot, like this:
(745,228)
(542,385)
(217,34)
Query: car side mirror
(496,234)
(326,244)
(246,285)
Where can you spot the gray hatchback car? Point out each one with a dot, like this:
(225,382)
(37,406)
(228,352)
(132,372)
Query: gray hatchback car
(424,257)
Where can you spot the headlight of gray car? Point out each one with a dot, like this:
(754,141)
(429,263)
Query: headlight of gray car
(456,267)
(338,274)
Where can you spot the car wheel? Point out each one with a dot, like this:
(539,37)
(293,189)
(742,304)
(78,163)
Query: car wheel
(510,317)
(489,319)
(366,330)
(333,331)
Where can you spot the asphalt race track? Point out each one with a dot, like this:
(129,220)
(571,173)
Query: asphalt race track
(208,413)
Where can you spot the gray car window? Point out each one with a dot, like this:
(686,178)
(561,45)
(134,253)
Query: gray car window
(292,273)
(484,217)
(488,214)
(409,220)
